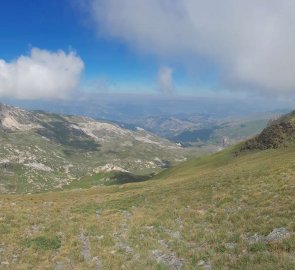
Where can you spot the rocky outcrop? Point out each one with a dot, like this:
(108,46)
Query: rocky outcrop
(15,119)
(280,133)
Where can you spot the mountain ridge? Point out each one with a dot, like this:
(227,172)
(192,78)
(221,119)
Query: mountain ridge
(42,151)
(279,133)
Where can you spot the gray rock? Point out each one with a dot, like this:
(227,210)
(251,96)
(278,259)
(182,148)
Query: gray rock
(230,245)
(14,258)
(168,259)
(205,265)
(98,264)
(201,263)
(127,214)
(124,247)
(208,266)
(255,238)
(85,252)
(278,234)
(164,244)
(98,214)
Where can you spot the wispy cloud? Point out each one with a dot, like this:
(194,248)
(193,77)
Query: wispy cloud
(251,43)
(40,75)
(165,80)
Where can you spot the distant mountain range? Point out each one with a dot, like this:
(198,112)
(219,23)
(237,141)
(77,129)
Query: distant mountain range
(44,151)
(191,121)
(203,130)
(41,151)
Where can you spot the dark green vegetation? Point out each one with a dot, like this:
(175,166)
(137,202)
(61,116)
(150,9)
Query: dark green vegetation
(107,179)
(223,211)
(62,133)
(43,243)
(194,135)
(280,133)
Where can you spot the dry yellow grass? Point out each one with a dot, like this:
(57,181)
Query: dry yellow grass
(198,215)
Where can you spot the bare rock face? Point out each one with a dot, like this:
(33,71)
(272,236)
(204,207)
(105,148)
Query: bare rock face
(109,168)
(15,119)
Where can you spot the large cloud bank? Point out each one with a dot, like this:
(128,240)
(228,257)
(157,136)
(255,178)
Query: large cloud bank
(250,43)
(40,75)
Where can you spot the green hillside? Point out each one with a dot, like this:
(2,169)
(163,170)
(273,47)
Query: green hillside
(224,211)
(42,151)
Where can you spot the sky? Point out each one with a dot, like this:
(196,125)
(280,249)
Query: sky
(54,49)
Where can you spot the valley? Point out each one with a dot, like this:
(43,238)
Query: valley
(229,210)
(147,135)
(43,151)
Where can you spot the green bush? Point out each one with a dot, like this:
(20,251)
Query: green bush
(42,242)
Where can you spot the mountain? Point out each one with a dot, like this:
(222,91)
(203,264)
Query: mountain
(280,133)
(222,211)
(191,121)
(204,129)
(169,126)
(42,151)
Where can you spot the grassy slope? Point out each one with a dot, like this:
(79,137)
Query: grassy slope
(200,210)
(106,179)
(238,131)
(235,131)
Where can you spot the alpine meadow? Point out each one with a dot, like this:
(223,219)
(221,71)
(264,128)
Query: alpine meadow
(153,134)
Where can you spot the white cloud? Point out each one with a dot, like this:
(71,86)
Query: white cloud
(165,80)
(40,75)
(250,42)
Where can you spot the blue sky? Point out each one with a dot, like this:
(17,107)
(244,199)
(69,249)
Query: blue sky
(188,47)
(60,25)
